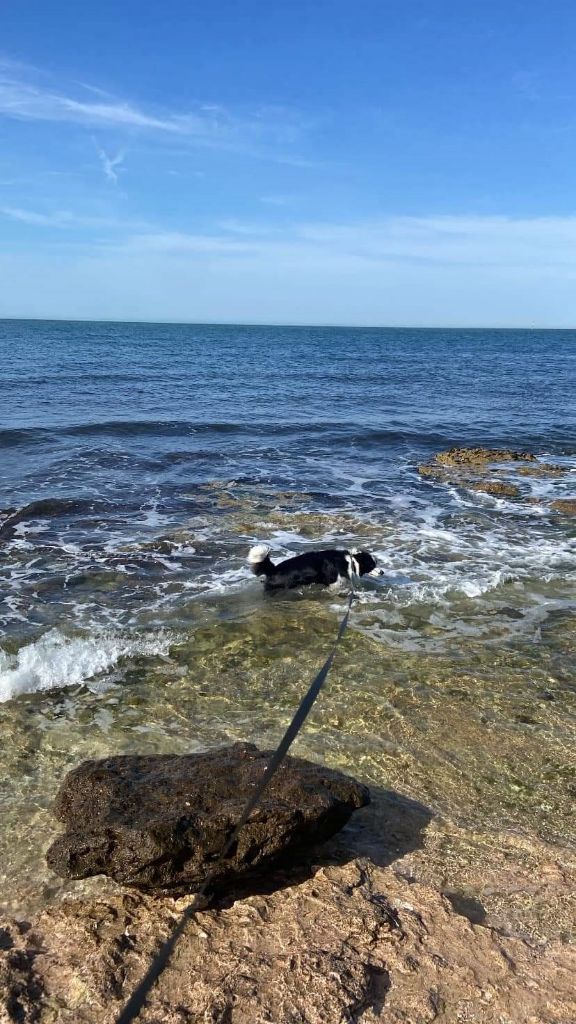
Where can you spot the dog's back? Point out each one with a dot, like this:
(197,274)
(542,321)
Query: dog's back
(323,567)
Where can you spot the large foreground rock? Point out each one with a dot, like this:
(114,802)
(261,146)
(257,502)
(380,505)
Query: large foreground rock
(354,943)
(159,822)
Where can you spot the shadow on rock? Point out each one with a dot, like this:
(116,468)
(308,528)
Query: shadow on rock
(390,827)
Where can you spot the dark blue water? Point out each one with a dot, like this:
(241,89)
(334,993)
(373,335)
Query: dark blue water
(118,410)
(119,429)
(127,433)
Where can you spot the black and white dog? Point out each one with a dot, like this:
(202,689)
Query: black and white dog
(323,567)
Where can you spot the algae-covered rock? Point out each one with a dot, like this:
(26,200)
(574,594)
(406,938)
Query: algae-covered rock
(498,488)
(429,469)
(473,468)
(567,506)
(542,469)
(476,456)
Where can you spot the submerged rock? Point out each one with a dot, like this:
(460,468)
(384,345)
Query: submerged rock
(352,943)
(542,469)
(44,508)
(453,465)
(159,822)
(565,505)
(429,469)
(496,487)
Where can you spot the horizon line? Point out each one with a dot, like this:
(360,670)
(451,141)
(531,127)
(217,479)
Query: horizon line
(320,326)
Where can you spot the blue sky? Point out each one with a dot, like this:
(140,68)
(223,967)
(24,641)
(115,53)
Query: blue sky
(302,162)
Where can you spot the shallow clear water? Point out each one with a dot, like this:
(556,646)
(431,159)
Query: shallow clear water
(137,465)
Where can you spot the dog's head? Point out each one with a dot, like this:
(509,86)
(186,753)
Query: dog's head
(365,561)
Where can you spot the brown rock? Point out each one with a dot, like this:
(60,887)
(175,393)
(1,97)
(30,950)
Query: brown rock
(429,469)
(158,822)
(542,469)
(497,487)
(44,508)
(474,456)
(449,475)
(565,505)
(353,943)
(462,467)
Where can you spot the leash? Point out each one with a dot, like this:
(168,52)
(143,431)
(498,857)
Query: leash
(138,998)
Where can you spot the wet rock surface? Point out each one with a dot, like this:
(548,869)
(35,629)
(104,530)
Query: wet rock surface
(473,469)
(496,487)
(567,506)
(352,943)
(159,822)
(541,469)
(481,456)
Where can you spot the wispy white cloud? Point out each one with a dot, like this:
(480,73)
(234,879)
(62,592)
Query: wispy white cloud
(31,217)
(95,90)
(442,270)
(436,271)
(247,229)
(8,65)
(69,220)
(182,243)
(110,163)
(266,132)
(28,102)
(470,241)
(278,200)
(449,241)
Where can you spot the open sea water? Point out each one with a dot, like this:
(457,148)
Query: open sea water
(139,462)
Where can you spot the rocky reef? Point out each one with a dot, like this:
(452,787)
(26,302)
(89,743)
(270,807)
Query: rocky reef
(482,456)
(474,469)
(345,932)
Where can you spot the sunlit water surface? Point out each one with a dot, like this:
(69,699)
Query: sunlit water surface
(137,465)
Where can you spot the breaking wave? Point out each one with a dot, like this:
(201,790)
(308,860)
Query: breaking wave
(56,660)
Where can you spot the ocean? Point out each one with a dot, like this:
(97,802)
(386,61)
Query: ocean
(138,464)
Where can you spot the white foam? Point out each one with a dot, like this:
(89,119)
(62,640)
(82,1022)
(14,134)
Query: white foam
(56,660)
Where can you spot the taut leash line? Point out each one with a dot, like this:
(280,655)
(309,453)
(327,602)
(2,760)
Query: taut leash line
(138,998)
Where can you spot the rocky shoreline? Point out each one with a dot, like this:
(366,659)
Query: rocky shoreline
(351,943)
(345,931)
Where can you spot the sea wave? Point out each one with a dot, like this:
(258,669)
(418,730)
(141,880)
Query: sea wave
(16,437)
(56,660)
(270,429)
